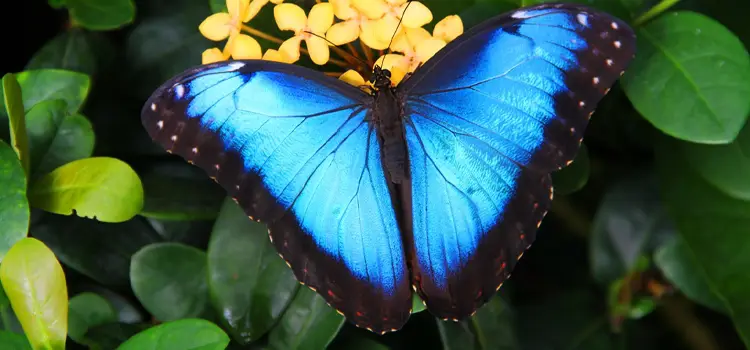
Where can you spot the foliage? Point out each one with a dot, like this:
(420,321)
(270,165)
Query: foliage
(108,242)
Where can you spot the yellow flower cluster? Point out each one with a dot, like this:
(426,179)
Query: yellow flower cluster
(378,25)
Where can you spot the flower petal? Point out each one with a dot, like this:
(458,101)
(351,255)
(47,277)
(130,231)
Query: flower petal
(276,2)
(321,18)
(387,27)
(417,14)
(416,36)
(273,55)
(428,48)
(401,44)
(216,27)
(353,77)
(212,55)
(246,48)
(318,50)
(343,33)
(448,28)
(253,9)
(237,7)
(373,9)
(343,9)
(290,17)
(289,49)
(369,37)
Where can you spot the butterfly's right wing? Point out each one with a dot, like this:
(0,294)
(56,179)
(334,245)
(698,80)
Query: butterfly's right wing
(296,150)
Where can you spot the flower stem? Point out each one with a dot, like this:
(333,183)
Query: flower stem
(655,11)
(258,33)
(368,53)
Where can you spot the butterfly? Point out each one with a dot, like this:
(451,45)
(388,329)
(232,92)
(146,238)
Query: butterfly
(437,185)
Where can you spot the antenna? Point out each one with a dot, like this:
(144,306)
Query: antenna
(364,64)
(395,31)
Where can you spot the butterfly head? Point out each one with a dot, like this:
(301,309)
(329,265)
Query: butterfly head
(381,78)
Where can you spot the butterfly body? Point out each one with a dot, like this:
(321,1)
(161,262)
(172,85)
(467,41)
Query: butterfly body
(436,185)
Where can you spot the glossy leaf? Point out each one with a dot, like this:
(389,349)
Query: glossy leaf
(42,122)
(113,334)
(250,285)
(714,227)
(187,334)
(101,14)
(179,191)
(103,188)
(678,264)
(48,84)
(727,167)
(87,310)
(13,100)
(492,327)
(14,341)
(630,222)
(308,323)
(169,279)
(14,207)
(83,244)
(573,177)
(69,50)
(690,68)
(35,284)
(73,140)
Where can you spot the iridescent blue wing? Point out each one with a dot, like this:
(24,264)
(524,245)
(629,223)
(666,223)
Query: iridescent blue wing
(488,118)
(297,151)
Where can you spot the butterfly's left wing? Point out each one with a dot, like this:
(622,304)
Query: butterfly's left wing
(487,120)
(298,152)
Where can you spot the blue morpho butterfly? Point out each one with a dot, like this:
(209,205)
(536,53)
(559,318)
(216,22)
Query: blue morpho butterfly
(438,184)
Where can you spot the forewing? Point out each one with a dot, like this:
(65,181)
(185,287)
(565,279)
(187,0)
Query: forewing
(487,119)
(295,150)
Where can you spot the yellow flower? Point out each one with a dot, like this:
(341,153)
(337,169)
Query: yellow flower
(312,30)
(448,28)
(355,25)
(416,45)
(223,25)
(256,5)
(390,13)
(353,77)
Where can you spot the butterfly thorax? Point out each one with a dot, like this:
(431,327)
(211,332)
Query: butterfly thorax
(388,118)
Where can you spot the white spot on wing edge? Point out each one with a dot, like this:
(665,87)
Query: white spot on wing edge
(160,124)
(595,80)
(615,26)
(520,14)
(179,90)
(173,138)
(617,44)
(583,19)
(153,106)
(235,66)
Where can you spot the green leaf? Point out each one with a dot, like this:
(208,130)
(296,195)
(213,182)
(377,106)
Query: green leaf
(417,305)
(14,208)
(250,285)
(87,310)
(169,279)
(14,341)
(727,167)
(69,50)
(42,122)
(103,188)
(13,100)
(690,68)
(630,222)
(573,177)
(188,334)
(35,284)
(308,323)
(715,229)
(73,140)
(83,244)
(101,14)
(490,328)
(180,191)
(49,84)
(676,262)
